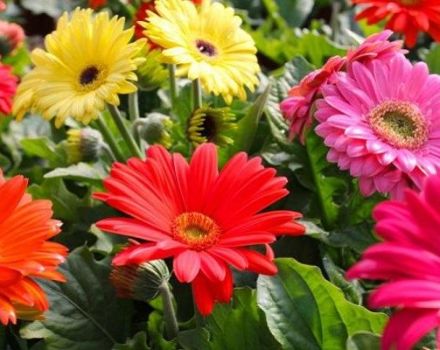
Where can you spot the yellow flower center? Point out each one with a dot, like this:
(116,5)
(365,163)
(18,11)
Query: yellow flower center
(206,48)
(196,230)
(399,123)
(91,77)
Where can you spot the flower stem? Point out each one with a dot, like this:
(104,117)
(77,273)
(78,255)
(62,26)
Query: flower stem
(169,314)
(133,106)
(197,94)
(127,136)
(109,139)
(173,84)
(109,152)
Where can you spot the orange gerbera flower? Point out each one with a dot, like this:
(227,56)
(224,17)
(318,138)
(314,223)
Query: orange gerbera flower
(97,3)
(25,227)
(409,17)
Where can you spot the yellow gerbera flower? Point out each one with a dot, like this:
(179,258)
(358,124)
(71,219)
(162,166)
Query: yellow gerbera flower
(88,61)
(207,43)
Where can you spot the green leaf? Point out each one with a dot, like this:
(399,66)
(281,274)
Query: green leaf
(80,172)
(44,148)
(294,12)
(247,127)
(240,325)
(305,311)
(66,205)
(432,58)
(85,313)
(138,342)
(156,331)
(363,341)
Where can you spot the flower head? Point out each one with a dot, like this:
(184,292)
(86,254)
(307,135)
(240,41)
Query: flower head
(25,252)
(409,17)
(11,37)
(97,3)
(8,88)
(376,46)
(205,219)
(211,125)
(207,43)
(409,261)
(382,122)
(88,62)
(298,106)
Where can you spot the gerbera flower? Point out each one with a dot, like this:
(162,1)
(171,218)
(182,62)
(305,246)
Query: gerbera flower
(211,125)
(297,107)
(207,43)
(381,122)
(409,17)
(11,37)
(207,220)
(97,3)
(88,62)
(8,88)
(25,253)
(409,260)
(376,47)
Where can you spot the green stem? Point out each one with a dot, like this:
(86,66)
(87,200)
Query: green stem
(326,221)
(169,314)
(133,106)
(173,84)
(108,137)
(125,133)
(109,152)
(334,20)
(197,94)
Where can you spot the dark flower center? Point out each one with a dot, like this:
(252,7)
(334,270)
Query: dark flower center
(206,48)
(89,75)
(410,2)
(209,128)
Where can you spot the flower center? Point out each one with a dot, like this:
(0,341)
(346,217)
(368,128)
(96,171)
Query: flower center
(89,75)
(209,128)
(206,48)
(196,230)
(399,123)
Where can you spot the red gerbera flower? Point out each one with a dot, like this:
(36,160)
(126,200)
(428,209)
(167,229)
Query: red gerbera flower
(97,3)
(25,227)
(409,17)
(8,87)
(408,260)
(205,219)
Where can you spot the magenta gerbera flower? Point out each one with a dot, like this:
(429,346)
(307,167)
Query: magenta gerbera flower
(409,260)
(381,122)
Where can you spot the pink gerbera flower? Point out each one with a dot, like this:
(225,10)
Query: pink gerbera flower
(409,260)
(297,107)
(376,46)
(8,88)
(205,219)
(382,122)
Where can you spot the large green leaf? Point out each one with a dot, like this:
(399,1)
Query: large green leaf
(432,58)
(363,341)
(241,325)
(85,313)
(80,172)
(305,311)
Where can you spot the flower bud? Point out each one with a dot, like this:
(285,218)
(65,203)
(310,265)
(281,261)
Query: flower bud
(140,282)
(83,145)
